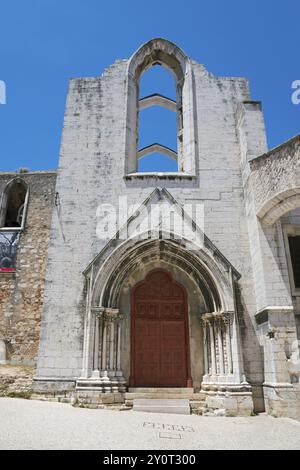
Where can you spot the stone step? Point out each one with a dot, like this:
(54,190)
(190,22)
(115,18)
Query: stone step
(186,390)
(86,388)
(164,395)
(154,405)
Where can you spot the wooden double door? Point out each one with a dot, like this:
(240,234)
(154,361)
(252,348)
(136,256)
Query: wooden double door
(159,333)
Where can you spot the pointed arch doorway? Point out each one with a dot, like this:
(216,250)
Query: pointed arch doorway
(160,353)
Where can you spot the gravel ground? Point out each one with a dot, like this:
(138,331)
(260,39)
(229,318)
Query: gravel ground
(28,424)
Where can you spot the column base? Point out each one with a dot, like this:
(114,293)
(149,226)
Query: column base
(228,399)
(103,382)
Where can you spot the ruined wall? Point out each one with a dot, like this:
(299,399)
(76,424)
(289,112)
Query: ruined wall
(22,292)
(275,179)
(92,172)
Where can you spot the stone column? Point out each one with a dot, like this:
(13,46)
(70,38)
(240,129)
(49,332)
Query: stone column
(218,370)
(221,368)
(223,385)
(119,345)
(111,373)
(213,370)
(112,345)
(104,350)
(228,344)
(103,345)
(205,346)
(96,373)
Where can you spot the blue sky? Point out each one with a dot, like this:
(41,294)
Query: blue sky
(43,43)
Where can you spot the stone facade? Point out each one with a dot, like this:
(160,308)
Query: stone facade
(22,291)
(233,267)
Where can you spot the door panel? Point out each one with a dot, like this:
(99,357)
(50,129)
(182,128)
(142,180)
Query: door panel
(173,354)
(159,332)
(147,352)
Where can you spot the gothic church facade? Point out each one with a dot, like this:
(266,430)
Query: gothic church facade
(210,312)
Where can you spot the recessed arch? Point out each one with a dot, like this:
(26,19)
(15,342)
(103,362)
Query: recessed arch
(215,287)
(14,203)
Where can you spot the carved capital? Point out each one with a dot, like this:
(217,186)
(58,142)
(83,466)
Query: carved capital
(228,317)
(97,311)
(206,319)
(111,314)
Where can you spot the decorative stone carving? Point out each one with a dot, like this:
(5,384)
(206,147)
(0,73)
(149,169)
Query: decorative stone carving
(217,353)
(106,375)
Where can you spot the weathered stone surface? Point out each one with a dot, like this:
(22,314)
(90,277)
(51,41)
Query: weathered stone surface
(22,292)
(275,177)
(16,381)
(240,301)
(2,352)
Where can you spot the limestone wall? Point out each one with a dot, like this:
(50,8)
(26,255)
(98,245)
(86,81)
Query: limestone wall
(92,172)
(275,178)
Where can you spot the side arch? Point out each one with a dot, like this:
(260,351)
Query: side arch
(279,205)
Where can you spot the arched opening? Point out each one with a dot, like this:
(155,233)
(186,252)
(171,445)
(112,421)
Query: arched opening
(155,60)
(157,121)
(14,205)
(157,80)
(213,338)
(279,205)
(12,220)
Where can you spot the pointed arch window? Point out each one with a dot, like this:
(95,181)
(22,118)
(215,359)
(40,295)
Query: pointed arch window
(13,210)
(160,52)
(14,205)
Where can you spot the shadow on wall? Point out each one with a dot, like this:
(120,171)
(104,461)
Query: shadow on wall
(249,335)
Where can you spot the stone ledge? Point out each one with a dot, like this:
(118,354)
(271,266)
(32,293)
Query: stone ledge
(263,315)
(159,176)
